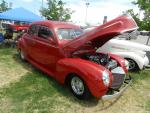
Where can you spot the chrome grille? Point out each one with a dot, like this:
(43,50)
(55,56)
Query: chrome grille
(118,80)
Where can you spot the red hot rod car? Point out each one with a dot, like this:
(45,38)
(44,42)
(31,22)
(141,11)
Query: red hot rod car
(67,54)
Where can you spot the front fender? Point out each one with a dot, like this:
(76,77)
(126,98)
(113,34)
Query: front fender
(131,55)
(90,72)
(120,60)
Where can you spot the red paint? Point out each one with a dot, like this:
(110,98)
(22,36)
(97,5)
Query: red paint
(17,27)
(21,27)
(59,58)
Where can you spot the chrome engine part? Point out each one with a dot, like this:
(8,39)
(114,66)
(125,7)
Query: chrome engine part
(102,59)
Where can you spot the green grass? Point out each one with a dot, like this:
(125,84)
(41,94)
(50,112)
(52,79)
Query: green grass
(35,92)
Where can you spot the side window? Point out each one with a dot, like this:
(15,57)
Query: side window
(44,32)
(32,30)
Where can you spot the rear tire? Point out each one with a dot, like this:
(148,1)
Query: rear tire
(78,87)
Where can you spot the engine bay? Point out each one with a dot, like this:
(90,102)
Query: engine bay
(111,64)
(101,59)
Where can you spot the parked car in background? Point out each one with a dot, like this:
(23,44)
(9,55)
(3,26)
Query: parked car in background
(65,53)
(136,54)
(16,27)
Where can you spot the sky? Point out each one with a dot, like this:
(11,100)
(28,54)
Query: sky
(96,10)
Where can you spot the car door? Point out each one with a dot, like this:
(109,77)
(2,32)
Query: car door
(46,50)
(29,38)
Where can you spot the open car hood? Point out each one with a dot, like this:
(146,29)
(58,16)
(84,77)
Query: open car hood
(101,34)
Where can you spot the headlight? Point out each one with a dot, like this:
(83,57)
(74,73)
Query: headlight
(106,78)
(126,64)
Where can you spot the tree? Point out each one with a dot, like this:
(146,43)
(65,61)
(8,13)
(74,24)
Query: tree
(144,5)
(4,6)
(56,11)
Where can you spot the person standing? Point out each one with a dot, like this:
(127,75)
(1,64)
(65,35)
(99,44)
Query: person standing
(105,20)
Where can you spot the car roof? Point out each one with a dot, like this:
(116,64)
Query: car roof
(56,24)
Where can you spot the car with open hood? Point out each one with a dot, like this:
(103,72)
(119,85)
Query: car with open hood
(67,54)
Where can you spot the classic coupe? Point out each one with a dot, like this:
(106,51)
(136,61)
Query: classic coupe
(138,55)
(67,54)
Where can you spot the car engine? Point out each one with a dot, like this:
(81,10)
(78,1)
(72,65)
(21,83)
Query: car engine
(102,59)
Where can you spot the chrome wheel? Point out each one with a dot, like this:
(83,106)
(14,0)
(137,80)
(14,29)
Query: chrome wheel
(77,85)
(132,64)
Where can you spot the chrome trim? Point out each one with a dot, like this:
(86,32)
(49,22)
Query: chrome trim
(117,94)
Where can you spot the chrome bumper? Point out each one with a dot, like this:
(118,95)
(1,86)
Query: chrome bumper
(117,94)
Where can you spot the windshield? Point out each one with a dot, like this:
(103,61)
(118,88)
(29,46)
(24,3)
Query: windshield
(68,33)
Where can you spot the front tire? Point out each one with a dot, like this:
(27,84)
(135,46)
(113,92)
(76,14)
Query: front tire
(78,87)
(133,66)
